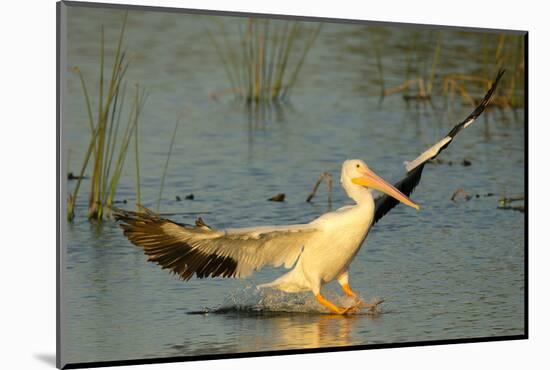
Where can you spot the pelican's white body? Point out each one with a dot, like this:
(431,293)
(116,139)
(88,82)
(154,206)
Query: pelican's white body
(328,254)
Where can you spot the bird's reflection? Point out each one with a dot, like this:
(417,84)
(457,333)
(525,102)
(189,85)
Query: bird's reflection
(306,331)
(281,331)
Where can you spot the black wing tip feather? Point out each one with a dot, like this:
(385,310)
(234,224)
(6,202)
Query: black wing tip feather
(144,230)
(488,95)
(483,104)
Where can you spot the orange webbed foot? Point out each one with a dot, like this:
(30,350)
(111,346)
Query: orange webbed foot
(336,309)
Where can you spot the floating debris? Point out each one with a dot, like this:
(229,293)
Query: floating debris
(514,208)
(278,198)
(506,203)
(178,198)
(460,192)
(190,196)
(465,162)
(503,203)
(324,176)
(71,176)
(199,222)
(436,161)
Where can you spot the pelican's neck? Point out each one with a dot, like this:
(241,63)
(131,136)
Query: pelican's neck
(361,195)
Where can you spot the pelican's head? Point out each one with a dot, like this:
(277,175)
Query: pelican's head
(357,175)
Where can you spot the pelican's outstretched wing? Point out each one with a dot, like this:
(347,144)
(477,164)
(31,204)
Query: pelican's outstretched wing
(202,251)
(414,168)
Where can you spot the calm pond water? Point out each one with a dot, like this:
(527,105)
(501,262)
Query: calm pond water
(452,270)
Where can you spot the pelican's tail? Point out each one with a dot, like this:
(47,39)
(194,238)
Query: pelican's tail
(291,282)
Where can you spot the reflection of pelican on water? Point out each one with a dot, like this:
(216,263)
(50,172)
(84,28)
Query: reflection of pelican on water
(272,331)
(307,331)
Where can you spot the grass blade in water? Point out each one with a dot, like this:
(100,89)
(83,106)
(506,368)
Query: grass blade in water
(166,163)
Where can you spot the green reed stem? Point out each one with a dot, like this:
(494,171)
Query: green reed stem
(435,61)
(298,67)
(167,161)
(379,65)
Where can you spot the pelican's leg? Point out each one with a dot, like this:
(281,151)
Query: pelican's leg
(343,280)
(332,307)
(316,290)
(350,293)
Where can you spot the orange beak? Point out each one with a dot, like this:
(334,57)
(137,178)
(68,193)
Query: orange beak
(372,180)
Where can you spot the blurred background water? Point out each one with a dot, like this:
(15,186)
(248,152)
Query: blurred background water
(453,270)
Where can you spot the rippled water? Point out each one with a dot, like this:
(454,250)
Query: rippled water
(453,270)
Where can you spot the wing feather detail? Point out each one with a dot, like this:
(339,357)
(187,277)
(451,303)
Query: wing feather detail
(205,252)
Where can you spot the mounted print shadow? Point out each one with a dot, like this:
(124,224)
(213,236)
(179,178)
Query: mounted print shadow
(239,185)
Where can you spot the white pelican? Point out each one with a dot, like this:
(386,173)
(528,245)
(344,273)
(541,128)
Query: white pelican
(318,252)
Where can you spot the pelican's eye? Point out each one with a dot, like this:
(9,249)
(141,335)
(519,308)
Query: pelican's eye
(358,165)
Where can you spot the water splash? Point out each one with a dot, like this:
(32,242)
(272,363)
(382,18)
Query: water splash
(252,300)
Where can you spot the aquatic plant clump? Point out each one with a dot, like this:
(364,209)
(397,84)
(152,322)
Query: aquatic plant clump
(109,142)
(263,64)
(500,51)
(422,68)
(419,77)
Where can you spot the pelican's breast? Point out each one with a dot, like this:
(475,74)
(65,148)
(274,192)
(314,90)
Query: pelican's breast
(334,248)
